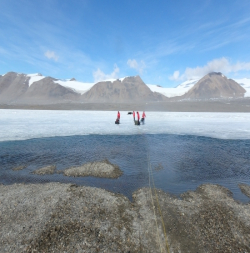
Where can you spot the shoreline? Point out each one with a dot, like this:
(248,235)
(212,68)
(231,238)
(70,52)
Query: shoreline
(66,217)
(234,105)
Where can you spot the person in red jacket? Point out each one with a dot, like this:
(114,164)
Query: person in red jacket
(134,115)
(118,118)
(138,116)
(143,118)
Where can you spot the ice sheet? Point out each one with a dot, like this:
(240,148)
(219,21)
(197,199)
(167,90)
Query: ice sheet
(26,124)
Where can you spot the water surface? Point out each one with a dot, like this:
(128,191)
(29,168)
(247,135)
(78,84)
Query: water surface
(178,162)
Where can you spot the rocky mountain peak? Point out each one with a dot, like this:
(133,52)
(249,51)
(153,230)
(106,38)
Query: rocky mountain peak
(215,85)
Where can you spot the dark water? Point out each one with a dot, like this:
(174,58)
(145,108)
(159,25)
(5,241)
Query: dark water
(179,163)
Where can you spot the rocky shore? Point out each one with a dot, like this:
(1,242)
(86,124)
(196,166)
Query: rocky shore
(57,217)
(223,105)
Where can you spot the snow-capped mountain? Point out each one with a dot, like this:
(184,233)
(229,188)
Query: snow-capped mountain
(76,86)
(184,87)
(127,89)
(215,85)
(16,88)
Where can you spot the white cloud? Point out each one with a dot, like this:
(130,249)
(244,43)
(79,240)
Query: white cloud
(139,67)
(222,65)
(101,76)
(175,76)
(51,55)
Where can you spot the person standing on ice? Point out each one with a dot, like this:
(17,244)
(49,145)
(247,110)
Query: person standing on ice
(118,118)
(134,115)
(143,118)
(138,117)
(118,115)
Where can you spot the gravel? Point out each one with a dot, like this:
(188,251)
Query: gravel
(55,217)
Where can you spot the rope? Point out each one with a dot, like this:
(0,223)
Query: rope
(158,204)
(150,174)
(158,234)
(162,221)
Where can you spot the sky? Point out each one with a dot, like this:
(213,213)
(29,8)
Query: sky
(165,42)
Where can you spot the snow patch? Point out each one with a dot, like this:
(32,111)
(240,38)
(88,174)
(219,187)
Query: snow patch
(34,78)
(76,86)
(113,80)
(121,79)
(173,92)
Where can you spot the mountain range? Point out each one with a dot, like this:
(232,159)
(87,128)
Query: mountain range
(16,88)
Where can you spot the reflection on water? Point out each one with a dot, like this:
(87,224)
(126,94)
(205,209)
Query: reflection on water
(179,163)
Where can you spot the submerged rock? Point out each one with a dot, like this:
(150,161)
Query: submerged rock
(94,169)
(21,167)
(45,170)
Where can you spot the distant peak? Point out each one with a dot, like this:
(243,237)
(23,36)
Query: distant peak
(73,79)
(36,74)
(215,74)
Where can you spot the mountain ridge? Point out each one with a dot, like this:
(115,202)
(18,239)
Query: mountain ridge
(19,88)
(127,89)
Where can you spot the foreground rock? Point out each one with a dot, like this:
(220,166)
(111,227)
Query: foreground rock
(45,170)
(94,169)
(58,217)
(207,220)
(245,189)
(65,218)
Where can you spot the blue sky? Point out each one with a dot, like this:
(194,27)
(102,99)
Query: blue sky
(165,42)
